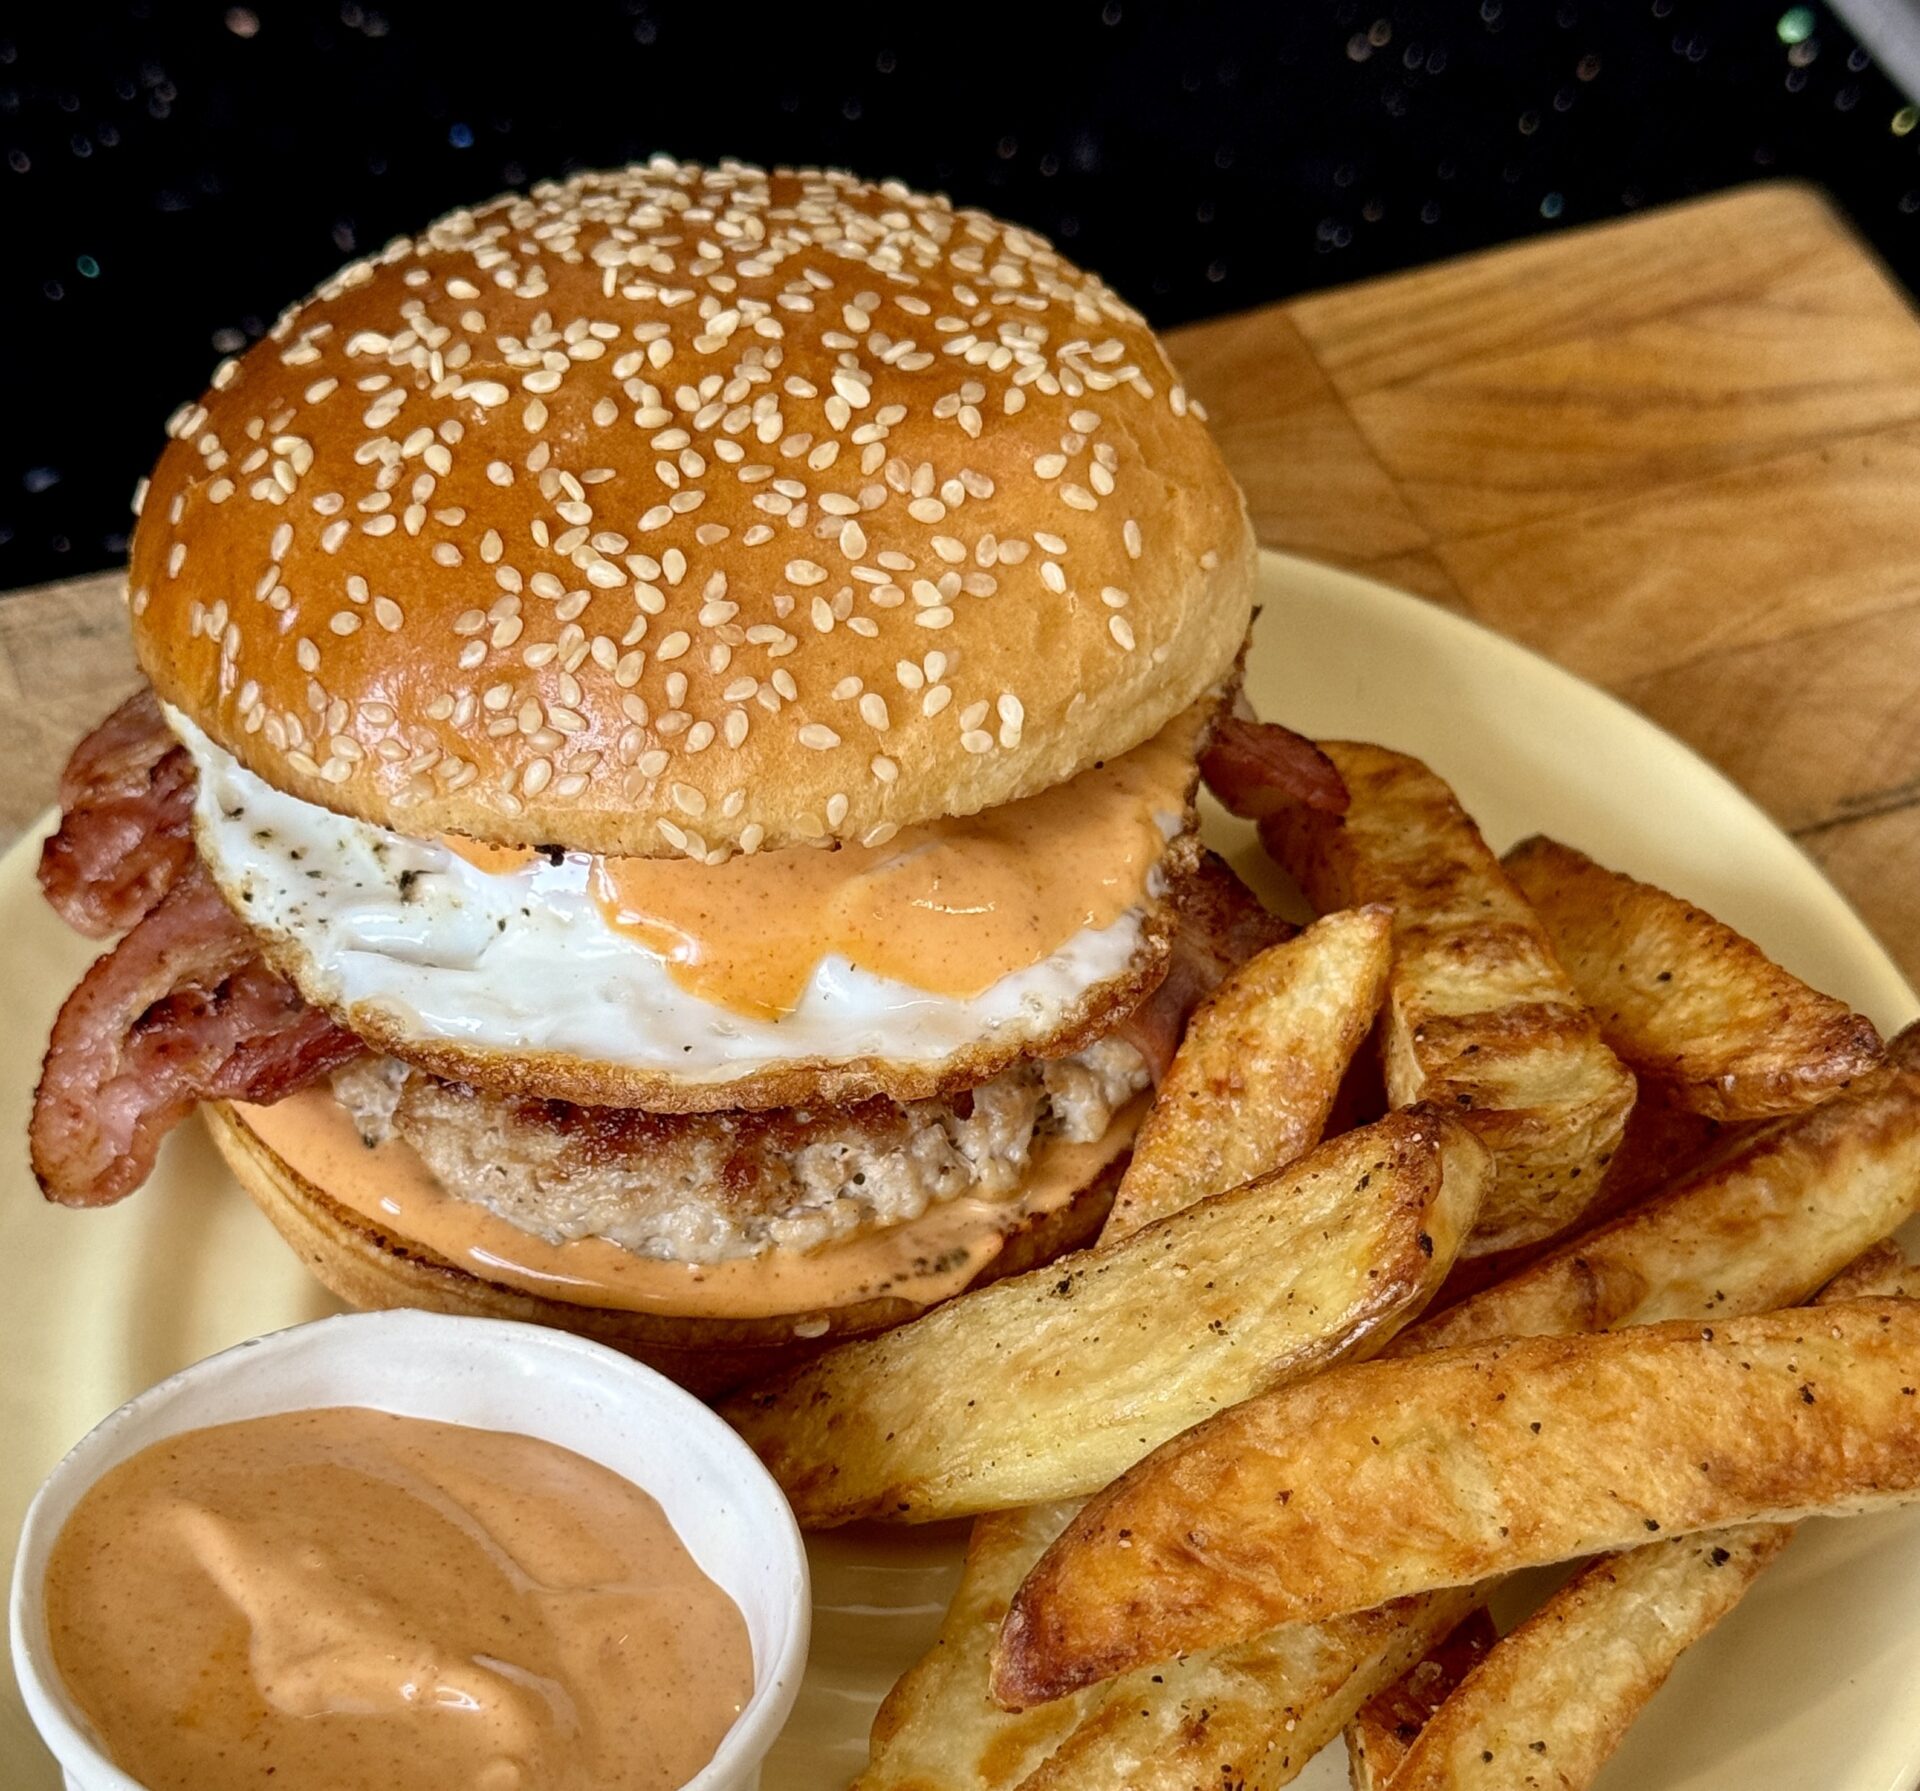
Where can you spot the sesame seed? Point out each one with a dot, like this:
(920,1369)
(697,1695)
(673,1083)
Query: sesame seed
(818,737)
(663,301)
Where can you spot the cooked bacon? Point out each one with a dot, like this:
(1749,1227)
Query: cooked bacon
(1258,767)
(1222,924)
(180,1011)
(125,839)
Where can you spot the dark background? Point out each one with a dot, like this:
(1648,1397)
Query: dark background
(176,173)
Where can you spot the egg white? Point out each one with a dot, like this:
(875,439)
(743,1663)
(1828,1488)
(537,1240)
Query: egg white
(525,961)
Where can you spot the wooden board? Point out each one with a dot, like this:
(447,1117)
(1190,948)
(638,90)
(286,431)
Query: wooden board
(1678,454)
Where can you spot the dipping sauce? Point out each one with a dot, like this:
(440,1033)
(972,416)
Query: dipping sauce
(333,1599)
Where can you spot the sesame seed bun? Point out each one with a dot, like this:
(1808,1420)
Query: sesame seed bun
(682,509)
(372,1268)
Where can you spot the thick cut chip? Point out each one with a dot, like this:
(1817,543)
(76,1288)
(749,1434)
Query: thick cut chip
(1250,1716)
(938,1730)
(1378,1480)
(1761,1228)
(1390,1722)
(1882,1273)
(1255,1077)
(1567,1684)
(1664,1142)
(1795,1228)
(1684,998)
(1047,1385)
(1553,1700)
(1480,1018)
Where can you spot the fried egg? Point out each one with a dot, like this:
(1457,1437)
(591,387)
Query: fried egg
(525,961)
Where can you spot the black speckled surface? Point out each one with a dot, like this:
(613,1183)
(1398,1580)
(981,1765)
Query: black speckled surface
(175,173)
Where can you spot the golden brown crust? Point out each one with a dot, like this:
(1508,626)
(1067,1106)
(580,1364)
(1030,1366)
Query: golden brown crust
(1262,1284)
(1478,1461)
(1551,1703)
(937,1728)
(673,509)
(1683,998)
(1390,1721)
(1762,1227)
(370,1267)
(1250,1715)
(1480,1017)
(1258,1068)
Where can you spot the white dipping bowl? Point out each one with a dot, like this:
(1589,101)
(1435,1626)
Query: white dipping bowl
(494,1376)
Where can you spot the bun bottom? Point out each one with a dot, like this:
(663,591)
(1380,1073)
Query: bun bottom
(372,1268)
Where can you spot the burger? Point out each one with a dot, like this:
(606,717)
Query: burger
(664,801)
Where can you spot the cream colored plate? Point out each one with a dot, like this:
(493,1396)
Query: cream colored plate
(1814,1682)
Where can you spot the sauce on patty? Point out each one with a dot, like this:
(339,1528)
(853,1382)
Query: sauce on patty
(921,1260)
(339,1599)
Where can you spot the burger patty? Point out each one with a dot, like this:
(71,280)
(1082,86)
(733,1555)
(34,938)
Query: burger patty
(709,1187)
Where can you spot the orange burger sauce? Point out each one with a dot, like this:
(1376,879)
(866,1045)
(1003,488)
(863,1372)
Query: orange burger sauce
(950,907)
(341,1599)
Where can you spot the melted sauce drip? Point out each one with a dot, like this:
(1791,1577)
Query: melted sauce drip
(922,1260)
(950,907)
(335,1599)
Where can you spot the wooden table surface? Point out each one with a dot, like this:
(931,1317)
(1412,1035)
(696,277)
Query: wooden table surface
(1679,454)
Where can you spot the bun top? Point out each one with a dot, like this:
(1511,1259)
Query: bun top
(683,509)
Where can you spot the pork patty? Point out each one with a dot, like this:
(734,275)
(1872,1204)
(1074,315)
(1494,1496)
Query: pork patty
(707,1187)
